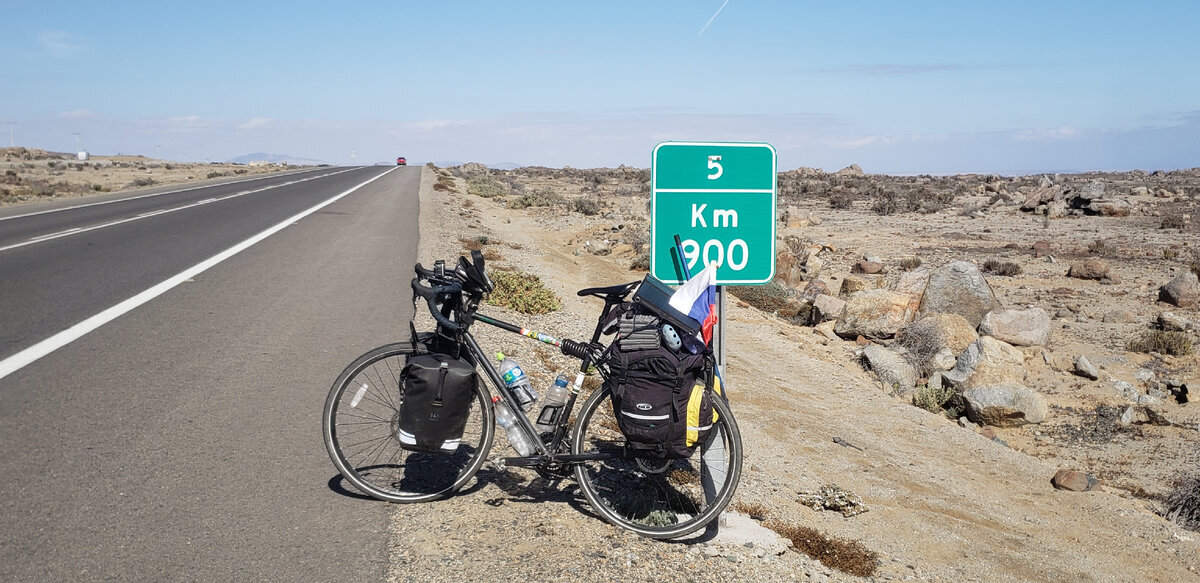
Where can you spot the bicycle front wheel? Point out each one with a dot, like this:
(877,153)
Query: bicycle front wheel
(656,499)
(361,422)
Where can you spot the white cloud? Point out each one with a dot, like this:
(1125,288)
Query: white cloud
(256,123)
(1039,134)
(858,142)
(59,43)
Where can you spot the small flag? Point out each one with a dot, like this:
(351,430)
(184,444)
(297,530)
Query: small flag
(698,299)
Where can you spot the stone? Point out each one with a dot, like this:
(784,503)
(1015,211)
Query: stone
(1183,291)
(1041,248)
(1018,327)
(1004,405)
(826,307)
(987,362)
(853,284)
(1139,191)
(851,170)
(1110,207)
(891,368)
(811,268)
(876,313)
(958,332)
(1169,322)
(1039,196)
(944,359)
(1119,317)
(959,288)
(1056,209)
(1090,268)
(867,267)
(1084,368)
(1074,481)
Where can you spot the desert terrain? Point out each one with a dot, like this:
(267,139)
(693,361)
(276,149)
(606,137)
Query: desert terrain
(947,496)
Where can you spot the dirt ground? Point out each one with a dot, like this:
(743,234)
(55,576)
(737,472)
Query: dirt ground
(947,503)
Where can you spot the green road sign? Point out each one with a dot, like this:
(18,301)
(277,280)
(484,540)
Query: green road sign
(720,199)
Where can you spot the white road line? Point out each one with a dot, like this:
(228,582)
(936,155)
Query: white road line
(77,230)
(21,359)
(198,187)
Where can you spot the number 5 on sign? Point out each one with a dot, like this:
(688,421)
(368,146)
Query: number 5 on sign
(714,163)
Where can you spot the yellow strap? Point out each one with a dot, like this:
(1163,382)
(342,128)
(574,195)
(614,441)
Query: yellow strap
(695,400)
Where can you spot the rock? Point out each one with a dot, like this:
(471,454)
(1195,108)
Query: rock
(1090,268)
(959,288)
(789,266)
(1139,191)
(851,170)
(1084,368)
(1156,417)
(1074,481)
(826,307)
(987,362)
(1119,317)
(959,333)
(1128,416)
(1182,291)
(1056,209)
(1004,405)
(867,267)
(943,360)
(1126,391)
(622,250)
(1110,207)
(1143,375)
(1041,248)
(853,284)
(1169,322)
(826,329)
(1039,196)
(1018,327)
(811,268)
(891,368)
(876,313)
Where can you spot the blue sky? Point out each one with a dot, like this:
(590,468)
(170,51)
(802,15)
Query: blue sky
(896,87)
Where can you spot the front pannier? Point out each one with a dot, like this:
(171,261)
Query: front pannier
(435,400)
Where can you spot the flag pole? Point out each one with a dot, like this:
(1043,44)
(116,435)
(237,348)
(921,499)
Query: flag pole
(719,336)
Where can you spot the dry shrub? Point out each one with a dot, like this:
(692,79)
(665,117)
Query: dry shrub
(522,292)
(755,510)
(475,243)
(847,556)
(539,197)
(888,202)
(1183,503)
(840,199)
(997,267)
(1102,248)
(484,186)
(1174,222)
(920,341)
(1162,342)
(771,297)
(910,263)
(587,205)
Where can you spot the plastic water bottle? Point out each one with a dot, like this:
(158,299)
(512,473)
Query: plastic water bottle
(508,421)
(552,404)
(516,380)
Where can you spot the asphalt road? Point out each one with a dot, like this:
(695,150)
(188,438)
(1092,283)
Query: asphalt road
(181,440)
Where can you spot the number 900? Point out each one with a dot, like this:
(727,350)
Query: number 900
(736,255)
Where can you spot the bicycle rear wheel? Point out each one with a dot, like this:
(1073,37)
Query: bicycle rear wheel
(360,425)
(655,499)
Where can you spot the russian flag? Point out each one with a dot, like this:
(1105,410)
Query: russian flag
(698,299)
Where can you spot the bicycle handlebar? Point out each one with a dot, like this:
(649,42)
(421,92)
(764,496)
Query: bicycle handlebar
(431,293)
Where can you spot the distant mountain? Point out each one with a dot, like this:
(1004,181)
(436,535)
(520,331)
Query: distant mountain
(274,159)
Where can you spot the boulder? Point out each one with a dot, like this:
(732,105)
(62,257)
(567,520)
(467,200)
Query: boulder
(891,368)
(1119,317)
(813,289)
(1085,368)
(959,288)
(825,308)
(1004,405)
(789,267)
(958,332)
(1110,207)
(1039,196)
(867,267)
(1057,209)
(1074,481)
(1018,327)
(1090,268)
(1041,248)
(1182,291)
(1139,191)
(1170,322)
(852,285)
(987,362)
(876,313)
(851,170)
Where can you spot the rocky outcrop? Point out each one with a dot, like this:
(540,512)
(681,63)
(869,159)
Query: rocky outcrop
(877,313)
(1004,405)
(959,288)
(987,362)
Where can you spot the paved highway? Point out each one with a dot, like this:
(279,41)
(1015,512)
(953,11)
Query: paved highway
(163,363)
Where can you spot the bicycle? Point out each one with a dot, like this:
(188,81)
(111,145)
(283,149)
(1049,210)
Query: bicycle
(654,498)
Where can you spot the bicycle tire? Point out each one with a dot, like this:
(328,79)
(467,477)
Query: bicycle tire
(660,500)
(360,430)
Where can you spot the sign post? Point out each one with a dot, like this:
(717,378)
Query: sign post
(719,198)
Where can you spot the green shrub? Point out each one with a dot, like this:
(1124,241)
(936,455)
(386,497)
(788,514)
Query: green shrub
(539,197)
(587,205)
(933,399)
(484,186)
(522,292)
(1162,342)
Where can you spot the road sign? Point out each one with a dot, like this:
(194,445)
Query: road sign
(719,197)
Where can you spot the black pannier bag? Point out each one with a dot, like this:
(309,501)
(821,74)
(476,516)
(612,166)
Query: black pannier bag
(656,391)
(435,400)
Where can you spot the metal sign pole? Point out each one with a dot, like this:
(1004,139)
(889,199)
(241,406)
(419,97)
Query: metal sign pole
(720,340)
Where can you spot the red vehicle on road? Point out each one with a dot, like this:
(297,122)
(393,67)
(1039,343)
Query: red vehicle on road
(401,161)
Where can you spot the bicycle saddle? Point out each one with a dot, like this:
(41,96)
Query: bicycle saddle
(618,291)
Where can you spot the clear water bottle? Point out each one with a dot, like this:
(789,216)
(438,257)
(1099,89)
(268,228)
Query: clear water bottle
(516,438)
(516,380)
(553,404)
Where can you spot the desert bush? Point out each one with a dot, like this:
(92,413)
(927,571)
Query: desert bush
(1162,342)
(215,174)
(522,292)
(888,202)
(755,510)
(920,341)
(475,243)
(970,210)
(847,556)
(933,399)
(1102,248)
(587,205)
(1182,505)
(910,263)
(840,199)
(1174,222)
(539,197)
(484,186)
(640,263)
(997,267)
(771,297)
(140,182)
(1169,253)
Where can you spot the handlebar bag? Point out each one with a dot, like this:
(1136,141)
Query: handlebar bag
(436,392)
(660,401)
